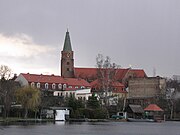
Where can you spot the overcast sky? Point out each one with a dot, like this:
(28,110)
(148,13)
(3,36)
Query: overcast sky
(142,33)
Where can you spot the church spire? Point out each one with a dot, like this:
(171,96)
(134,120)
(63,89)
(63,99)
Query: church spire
(67,42)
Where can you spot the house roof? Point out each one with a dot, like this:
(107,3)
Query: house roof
(136,108)
(120,73)
(116,84)
(153,107)
(54,79)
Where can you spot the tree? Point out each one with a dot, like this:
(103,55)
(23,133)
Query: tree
(173,92)
(93,103)
(7,89)
(106,72)
(5,72)
(29,98)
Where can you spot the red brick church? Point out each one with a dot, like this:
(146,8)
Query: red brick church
(90,74)
(74,78)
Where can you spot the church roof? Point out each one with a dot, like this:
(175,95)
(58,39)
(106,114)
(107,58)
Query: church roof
(67,43)
(55,79)
(121,73)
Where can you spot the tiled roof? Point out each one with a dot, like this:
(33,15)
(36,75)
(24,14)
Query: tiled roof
(92,72)
(96,84)
(55,79)
(85,72)
(153,107)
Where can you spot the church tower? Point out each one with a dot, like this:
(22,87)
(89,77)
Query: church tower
(67,58)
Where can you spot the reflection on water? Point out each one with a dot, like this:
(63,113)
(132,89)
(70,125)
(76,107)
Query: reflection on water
(93,128)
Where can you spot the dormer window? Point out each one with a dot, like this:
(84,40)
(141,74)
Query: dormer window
(38,85)
(69,86)
(53,86)
(76,87)
(32,84)
(46,85)
(82,87)
(59,86)
(64,86)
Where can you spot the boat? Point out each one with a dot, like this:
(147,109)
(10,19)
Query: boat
(140,120)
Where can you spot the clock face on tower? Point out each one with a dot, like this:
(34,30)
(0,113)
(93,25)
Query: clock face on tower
(68,55)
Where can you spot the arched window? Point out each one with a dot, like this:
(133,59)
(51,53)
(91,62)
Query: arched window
(69,86)
(38,85)
(59,86)
(46,85)
(82,87)
(53,86)
(32,84)
(76,87)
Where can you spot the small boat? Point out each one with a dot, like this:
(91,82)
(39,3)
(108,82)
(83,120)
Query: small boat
(140,120)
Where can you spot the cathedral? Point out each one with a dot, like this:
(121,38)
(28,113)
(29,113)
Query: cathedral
(80,82)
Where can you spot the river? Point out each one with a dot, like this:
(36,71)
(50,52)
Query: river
(92,128)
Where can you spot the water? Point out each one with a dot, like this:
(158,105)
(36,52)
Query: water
(98,128)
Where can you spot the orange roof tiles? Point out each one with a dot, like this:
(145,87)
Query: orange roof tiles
(55,79)
(92,73)
(153,107)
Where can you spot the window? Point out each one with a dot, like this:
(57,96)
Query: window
(76,87)
(38,85)
(64,86)
(66,94)
(53,86)
(67,69)
(69,86)
(82,87)
(32,84)
(59,86)
(46,85)
(68,63)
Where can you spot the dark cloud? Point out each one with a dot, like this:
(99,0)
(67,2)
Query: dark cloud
(143,33)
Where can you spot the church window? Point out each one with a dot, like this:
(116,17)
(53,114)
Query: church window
(46,85)
(38,85)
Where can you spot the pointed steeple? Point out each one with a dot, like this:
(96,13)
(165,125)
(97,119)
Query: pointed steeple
(67,42)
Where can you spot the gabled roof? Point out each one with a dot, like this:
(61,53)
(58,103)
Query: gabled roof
(153,107)
(55,79)
(120,73)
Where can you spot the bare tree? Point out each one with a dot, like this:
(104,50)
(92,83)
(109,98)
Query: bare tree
(7,89)
(106,72)
(5,72)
